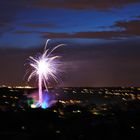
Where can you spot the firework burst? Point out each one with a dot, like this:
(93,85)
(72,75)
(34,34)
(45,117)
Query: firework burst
(45,68)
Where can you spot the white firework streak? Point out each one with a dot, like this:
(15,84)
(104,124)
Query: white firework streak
(45,68)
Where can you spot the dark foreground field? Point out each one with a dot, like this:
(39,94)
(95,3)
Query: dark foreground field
(71,122)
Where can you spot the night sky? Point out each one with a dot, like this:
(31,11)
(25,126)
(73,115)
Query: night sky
(102,37)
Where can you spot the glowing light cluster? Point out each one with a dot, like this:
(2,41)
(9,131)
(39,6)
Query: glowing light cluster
(45,68)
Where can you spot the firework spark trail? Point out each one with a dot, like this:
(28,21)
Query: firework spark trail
(44,68)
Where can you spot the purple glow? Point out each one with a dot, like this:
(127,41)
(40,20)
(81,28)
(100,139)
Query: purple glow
(48,100)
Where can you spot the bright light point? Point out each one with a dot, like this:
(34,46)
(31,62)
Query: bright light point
(33,106)
(44,105)
(43,67)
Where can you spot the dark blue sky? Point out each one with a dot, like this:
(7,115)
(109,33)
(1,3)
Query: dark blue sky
(102,37)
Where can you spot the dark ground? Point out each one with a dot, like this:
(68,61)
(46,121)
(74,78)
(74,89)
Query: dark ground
(62,123)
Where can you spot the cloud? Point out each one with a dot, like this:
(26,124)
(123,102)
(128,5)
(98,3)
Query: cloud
(120,30)
(137,16)
(22,32)
(39,25)
(8,12)
(52,35)
(83,4)
(130,27)
(99,35)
